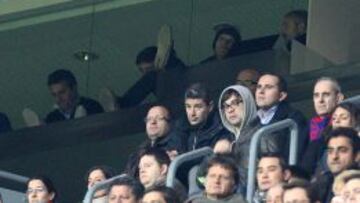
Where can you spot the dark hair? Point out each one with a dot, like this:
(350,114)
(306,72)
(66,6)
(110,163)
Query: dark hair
(352,109)
(300,16)
(160,155)
(228,94)
(232,31)
(147,55)
(169,194)
(298,172)
(47,182)
(225,161)
(62,75)
(303,184)
(349,133)
(284,166)
(106,170)
(198,91)
(136,187)
(282,83)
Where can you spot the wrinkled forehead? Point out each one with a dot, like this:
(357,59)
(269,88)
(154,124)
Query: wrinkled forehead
(324,86)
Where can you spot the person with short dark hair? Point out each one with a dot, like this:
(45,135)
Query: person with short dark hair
(161,194)
(153,168)
(343,147)
(202,126)
(125,189)
(299,191)
(63,87)
(40,189)
(271,171)
(222,180)
(98,174)
(226,43)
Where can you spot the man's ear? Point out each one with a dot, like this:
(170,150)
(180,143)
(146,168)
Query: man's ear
(287,175)
(283,96)
(340,97)
(163,169)
(52,196)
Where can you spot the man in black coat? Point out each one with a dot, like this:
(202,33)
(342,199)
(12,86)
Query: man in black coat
(202,126)
(343,147)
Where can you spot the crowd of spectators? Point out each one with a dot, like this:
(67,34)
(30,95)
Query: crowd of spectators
(328,144)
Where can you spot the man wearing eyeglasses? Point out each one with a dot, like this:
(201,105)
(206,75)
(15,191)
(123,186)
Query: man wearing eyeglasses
(159,134)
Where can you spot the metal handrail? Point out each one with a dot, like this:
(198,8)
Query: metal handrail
(100,185)
(288,123)
(170,179)
(13,177)
(354,100)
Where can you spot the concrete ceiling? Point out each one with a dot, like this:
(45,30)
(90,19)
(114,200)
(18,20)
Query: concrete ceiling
(36,42)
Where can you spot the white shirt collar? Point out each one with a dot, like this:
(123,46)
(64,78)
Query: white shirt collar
(266,115)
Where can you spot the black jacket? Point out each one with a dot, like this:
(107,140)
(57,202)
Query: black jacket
(323,186)
(206,134)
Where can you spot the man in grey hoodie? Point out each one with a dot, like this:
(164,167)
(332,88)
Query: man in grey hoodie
(271,95)
(237,109)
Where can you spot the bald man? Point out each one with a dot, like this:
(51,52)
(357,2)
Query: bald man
(248,78)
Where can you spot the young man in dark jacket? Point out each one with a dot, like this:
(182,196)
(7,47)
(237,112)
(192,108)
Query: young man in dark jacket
(343,147)
(202,126)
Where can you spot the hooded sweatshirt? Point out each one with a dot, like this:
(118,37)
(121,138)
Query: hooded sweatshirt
(249,110)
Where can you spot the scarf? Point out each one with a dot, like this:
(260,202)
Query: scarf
(317,125)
